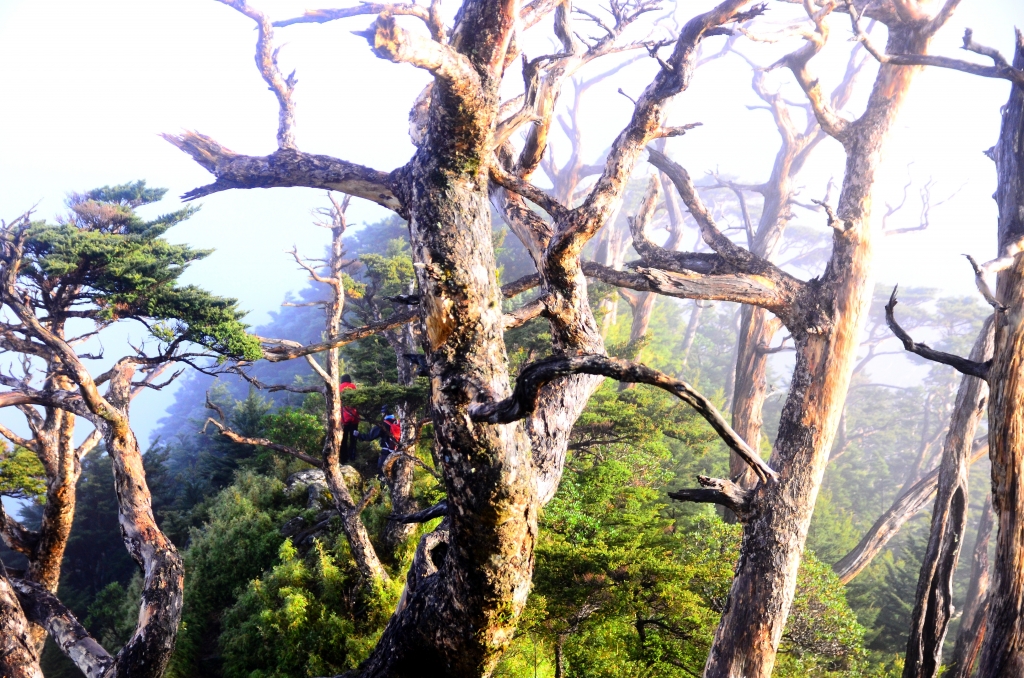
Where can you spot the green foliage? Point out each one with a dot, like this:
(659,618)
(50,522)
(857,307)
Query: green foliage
(392,271)
(896,596)
(371,361)
(22,476)
(113,264)
(369,399)
(114,613)
(295,427)
(385,273)
(305,617)
(627,588)
(239,541)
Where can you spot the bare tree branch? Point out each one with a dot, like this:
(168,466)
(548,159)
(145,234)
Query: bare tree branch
(285,167)
(266,62)
(436,511)
(831,122)
(16,536)
(716,491)
(536,375)
(235,437)
(43,608)
(390,41)
(1000,67)
(524,188)
(964,365)
(322,16)
(279,350)
(16,439)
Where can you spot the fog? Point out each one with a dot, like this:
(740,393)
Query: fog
(88,86)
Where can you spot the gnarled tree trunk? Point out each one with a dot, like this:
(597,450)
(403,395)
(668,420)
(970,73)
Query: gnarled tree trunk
(750,631)
(1003,651)
(757,328)
(934,603)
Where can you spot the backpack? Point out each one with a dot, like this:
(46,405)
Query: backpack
(349,414)
(395,428)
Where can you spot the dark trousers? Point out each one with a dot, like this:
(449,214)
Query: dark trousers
(348,442)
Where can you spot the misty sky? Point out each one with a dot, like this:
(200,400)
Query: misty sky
(89,84)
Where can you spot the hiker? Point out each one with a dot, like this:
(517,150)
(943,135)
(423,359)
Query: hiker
(389,432)
(349,421)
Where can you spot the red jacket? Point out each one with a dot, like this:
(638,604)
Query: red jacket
(349,415)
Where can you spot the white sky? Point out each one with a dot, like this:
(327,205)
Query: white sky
(89,84)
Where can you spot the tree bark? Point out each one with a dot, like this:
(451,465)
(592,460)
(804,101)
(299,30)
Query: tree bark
(934,603)
(757,328)
(457,620)
(972,622)
(560,656)
(52,443)
(55,446)
(147,652)
(751,384)
(749,633)
(19,657)
(1003,651)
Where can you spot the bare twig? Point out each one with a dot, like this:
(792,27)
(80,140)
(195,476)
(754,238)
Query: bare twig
(969,367)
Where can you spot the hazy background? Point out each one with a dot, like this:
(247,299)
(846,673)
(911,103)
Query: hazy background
(88,85)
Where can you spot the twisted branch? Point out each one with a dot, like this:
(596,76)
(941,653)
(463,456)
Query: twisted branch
(969,367)
(536,375)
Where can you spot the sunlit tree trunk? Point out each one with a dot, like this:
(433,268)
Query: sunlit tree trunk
(1003,651)
(750,631)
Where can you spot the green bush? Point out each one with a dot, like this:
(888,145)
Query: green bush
(307,616)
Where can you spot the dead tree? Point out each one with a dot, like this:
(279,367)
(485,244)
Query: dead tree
(331,274)
(405,341)
(1002,652)
(779,194)
(330,373)
(823,316)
